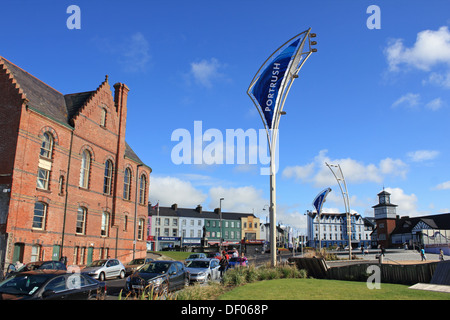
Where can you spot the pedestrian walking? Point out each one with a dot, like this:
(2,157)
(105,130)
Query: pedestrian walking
(243,260)
(382,251)
(223,263)
(441,255)
(422,254)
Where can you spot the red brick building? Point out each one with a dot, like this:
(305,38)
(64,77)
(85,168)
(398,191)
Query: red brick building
(70,185)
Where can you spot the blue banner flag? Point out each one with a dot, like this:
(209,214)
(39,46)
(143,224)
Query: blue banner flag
(269,83)
(320,200)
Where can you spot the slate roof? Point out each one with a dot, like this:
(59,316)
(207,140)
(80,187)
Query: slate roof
(52,103)
(436,221)
(42,97)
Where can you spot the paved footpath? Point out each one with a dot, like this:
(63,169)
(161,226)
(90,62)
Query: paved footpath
(400,256)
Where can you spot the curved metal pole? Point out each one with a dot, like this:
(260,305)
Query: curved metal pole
(346,204)
(272,133)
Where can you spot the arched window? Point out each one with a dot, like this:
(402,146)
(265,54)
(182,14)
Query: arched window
(142,189)
(125,223)
(107,182)
(81,220)
(47,145)
(61,185)
(39,216)
(141,224)
(127,184)
(85,168)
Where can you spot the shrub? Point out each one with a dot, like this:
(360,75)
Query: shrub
(239,276)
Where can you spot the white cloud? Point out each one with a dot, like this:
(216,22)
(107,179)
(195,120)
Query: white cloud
(443,186)
(435,104)
(206,72)
(410,100)
(422,155)
(169,190)
(431,48)
(299,172)
(407,204)
(135,55)
(439,79)
(132,52)
(354,171)
(242,199)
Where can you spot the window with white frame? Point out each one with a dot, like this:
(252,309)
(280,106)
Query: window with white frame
(85,168)
(105,224)
(81,220)
(40,215)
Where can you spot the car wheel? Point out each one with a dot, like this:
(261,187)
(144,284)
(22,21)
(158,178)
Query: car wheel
(101,277)
(122,274)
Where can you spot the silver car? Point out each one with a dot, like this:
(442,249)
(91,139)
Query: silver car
(105,269)
(203,270)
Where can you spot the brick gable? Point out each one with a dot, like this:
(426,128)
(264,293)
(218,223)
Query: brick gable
(31,109)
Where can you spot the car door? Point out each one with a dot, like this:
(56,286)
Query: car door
(215,269)
(181,274)
(115,268)
(109,269)
(173,276)
(55,289)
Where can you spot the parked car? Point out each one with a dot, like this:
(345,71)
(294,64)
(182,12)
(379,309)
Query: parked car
(36,265)
(51,285)
(105,269)
(136,264)
(203,270)
(215,255)
(234,262)
(193,256)
(160,275)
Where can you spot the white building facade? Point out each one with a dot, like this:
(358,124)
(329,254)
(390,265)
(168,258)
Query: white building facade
(331,230)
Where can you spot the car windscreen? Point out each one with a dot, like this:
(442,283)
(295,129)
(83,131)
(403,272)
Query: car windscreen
(97,263)
(136,261)
(156,267)
(24,284)
(198,264)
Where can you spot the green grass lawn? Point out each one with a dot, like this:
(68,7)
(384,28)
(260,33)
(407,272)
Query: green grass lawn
(176,255)
(318,289)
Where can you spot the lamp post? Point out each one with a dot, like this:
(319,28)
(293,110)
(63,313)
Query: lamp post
(221,228)
(343,186)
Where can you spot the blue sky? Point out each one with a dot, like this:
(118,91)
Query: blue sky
(375,101)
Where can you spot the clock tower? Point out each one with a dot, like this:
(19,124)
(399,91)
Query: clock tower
(385,217)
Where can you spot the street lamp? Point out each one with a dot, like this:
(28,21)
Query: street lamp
(221,228)
(343,186)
